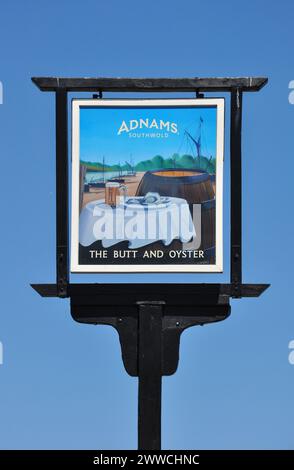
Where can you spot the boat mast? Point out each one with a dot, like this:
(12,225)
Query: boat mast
(199,150)
(197,142)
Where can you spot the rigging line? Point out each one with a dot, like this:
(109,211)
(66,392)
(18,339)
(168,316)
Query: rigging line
(193,149)
(181,143)
(205,140)
(196,142)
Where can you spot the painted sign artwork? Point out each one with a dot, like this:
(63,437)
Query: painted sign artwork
(147,185)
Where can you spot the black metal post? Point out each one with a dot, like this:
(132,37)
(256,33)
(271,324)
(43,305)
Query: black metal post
(150,375)
(62,257)
(236,192)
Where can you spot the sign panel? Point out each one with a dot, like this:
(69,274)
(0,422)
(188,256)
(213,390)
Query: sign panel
(147,179)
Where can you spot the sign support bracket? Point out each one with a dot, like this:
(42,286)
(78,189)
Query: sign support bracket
(236,191)
(62,229)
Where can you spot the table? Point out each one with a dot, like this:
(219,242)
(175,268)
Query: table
(140,225)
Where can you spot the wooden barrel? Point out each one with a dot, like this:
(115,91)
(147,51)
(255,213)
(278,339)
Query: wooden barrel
(208,229)
(195,186)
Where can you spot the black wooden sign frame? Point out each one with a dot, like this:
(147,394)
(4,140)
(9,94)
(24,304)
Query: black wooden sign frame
(148,317)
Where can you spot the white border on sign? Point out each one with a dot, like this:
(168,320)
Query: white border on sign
(140,268)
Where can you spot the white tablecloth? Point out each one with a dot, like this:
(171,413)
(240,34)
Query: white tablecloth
(140,225)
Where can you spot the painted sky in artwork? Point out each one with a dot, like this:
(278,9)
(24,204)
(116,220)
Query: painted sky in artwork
(100,137)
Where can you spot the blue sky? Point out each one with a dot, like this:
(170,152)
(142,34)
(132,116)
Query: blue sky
(100,136)
(62,385)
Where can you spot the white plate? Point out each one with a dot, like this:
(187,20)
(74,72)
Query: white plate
(164,202)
